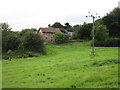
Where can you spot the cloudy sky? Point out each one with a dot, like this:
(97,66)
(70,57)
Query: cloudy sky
(21,14)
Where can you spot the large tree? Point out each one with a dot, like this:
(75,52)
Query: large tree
(76,29)
(68,27)
(5,26)
(85,31)
(10,40)
(34,42)
(112,21)
(24,31)
(57,25)
(101,33)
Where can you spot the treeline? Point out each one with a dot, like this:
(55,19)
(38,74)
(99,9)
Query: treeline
(27,43)
(112,23)
(107,29)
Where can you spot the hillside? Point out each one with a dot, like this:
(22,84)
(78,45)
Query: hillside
(65,66)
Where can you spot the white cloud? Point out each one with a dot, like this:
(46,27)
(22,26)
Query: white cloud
(39,13)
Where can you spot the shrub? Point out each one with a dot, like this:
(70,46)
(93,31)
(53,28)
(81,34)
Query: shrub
(84,31)
(34,42)
(10,42)
(111,42)
(101,33)
(60,38)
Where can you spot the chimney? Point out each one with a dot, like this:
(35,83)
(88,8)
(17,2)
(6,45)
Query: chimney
(49,25)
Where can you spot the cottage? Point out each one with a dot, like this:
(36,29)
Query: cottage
(48,33)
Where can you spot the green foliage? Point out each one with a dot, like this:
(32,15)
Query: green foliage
(12,43)
(112,21)
(68,27)
(60,38)
(84,31)
(111,42)
(101,33)
(24,31)
(76,29)
(26,43)
(34,42)
(5,26)
(10,40)
(57,25)
(98,22)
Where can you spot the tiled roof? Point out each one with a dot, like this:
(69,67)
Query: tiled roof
(50,29)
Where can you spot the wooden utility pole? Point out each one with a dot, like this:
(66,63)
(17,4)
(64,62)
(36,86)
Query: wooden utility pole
(93,32)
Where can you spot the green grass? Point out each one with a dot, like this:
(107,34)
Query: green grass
(65,66)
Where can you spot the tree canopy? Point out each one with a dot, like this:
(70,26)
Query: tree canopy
(112,21)
(57,25)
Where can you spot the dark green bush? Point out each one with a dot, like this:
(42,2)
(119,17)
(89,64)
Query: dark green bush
(101,33)
(60,38)
(34,42)
(9,41)
(111,42)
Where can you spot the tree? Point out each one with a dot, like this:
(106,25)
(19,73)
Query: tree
(101,33)
(98,22)
(5,26)
(112,21)
(34,42)
(76,29)
(10,41)
(68,27)
(57,25)
(85,31)
(24,31)
(23,34)
(60,38)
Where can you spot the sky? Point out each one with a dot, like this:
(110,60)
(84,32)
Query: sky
(22,14)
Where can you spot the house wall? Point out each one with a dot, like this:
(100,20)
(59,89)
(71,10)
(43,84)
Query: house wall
(48,37)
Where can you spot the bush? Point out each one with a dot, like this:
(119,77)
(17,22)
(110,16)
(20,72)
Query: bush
(60,38)
(111,42)
(34,42)
(84,31)
(10,41)
(101,33)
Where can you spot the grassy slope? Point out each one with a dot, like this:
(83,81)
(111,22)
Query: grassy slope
(65,66)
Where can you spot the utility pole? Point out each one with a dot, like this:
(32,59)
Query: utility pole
(93,31)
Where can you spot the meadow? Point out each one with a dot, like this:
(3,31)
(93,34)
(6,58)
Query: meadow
(69,65)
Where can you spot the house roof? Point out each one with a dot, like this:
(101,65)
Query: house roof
(63,30)
(50,29)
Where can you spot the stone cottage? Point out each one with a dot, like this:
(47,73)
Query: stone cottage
(47,33)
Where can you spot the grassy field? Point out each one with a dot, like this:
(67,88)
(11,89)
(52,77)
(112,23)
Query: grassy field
(66,66)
